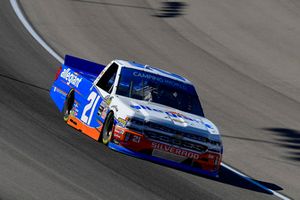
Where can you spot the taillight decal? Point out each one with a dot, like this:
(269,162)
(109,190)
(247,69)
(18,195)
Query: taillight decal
(57,73)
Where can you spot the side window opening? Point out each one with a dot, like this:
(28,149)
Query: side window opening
(108,78)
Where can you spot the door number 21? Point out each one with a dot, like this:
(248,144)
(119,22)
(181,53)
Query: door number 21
(93,100)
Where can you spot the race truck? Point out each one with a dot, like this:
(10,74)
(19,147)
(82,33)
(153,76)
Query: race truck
(138,110)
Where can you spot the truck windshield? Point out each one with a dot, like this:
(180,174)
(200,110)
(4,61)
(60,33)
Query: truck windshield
(150,87)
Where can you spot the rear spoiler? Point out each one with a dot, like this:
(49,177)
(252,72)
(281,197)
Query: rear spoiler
(86,68)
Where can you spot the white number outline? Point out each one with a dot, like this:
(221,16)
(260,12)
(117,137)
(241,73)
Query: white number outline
(93,98)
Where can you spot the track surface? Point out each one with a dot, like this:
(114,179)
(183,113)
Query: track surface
(242,56)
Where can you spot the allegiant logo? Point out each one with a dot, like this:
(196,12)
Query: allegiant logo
(70,77)
(170,114)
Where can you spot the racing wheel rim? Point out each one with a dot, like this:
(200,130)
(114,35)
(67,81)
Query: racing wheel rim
(68,105)
(107,132)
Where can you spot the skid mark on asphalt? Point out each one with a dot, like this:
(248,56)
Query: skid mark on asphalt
(23,82)
(171,9)
(168,9)
(113,4)
(289,139)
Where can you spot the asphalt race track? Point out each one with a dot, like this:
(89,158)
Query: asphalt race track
(242,55)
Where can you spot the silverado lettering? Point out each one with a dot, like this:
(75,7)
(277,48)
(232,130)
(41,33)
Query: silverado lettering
(174,150)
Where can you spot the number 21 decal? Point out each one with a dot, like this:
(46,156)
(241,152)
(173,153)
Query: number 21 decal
(93,100)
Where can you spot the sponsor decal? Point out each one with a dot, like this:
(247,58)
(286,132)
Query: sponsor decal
(71,78)
(160,79)
(103,107)
(178,120)
(208,126)
(173,115)
(103,115)
(122,122)
(55,89)
(119,131)
(107,100)
(73,113)
(174,150)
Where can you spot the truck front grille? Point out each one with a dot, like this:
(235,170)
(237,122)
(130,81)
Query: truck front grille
(175,141)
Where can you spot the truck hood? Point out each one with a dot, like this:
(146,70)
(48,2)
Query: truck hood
(168,117)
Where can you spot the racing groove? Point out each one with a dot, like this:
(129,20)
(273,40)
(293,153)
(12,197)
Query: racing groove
(42,158)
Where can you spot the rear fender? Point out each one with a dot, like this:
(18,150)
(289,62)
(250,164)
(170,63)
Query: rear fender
(77,74)
(69,79)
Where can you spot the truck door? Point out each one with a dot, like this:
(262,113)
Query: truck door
(98,100)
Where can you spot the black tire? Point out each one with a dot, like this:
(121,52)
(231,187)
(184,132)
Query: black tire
(68,105)
(107,130)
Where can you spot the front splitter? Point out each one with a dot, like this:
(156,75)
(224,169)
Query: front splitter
(162,161)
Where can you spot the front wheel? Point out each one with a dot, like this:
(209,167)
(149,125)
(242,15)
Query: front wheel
(107,130)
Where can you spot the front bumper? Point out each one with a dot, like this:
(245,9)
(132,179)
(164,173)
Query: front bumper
(162,161)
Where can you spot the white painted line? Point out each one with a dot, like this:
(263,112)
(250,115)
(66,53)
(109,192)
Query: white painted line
(20,15)
(244,176)
(26,24)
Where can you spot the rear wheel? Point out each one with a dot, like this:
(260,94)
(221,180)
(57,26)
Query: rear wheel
(68,105)
(107,130)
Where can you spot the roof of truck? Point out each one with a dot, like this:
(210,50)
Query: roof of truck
(151,69)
